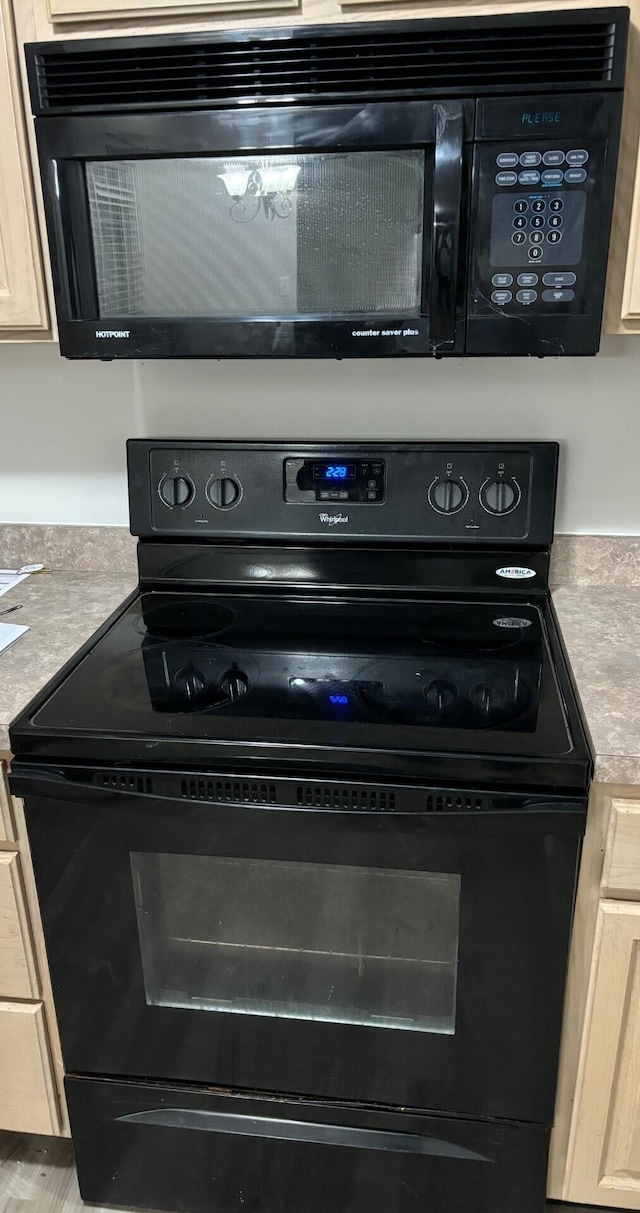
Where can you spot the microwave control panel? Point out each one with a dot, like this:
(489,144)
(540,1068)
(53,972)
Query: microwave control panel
(532,239)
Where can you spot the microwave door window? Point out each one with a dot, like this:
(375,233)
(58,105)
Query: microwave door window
(315,234)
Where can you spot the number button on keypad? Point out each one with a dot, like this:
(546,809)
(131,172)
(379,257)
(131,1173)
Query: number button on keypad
(556,205)
(521,206)
(520,221)
(555,221)
(538,206)
(537,221)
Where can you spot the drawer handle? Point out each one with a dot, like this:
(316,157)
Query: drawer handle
(295,1130)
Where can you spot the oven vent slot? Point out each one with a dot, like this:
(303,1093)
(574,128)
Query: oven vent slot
(227,791)
(449,804)
(129,783)
(331,796)
(322,64)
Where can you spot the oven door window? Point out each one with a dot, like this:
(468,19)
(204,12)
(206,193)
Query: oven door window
(313,941)
(323,234)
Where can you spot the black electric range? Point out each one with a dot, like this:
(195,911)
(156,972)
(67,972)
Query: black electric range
(305,817)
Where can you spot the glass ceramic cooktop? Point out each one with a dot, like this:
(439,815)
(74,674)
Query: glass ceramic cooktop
(467,676)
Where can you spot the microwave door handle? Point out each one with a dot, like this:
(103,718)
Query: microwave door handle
(445,235)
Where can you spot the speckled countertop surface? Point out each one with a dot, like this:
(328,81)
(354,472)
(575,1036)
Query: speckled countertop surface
(601,630)
(600,624)
(61,611)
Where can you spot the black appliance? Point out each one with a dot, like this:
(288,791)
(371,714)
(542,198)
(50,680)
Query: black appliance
(357,190)
(305,816)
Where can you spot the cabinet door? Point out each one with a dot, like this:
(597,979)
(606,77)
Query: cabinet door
(22,298)
(103,10)
(18,978)
(631,297)
(28,1101)
(604,1155)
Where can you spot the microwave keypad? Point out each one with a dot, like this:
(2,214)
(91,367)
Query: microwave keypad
(535,217)
(537,229)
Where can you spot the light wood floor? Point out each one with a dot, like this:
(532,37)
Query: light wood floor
(37,1175)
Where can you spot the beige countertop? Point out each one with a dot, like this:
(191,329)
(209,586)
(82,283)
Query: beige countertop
(600,625)
(61,611)
(601,630)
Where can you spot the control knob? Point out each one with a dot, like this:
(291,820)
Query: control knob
(224,493)
(498,496)
(234,683)
(192,681)
(176,491)
(448,496)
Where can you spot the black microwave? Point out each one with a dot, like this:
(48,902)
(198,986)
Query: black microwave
(378,189)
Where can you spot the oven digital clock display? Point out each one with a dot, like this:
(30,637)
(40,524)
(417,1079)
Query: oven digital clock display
(334,471)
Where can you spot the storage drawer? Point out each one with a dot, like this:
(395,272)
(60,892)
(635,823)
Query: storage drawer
(18,976)
(621,868)
(181,1148)
(28,1101)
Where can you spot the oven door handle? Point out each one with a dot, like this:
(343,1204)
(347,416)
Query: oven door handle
(445,234)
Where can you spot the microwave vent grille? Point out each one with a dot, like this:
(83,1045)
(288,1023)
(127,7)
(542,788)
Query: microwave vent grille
(373,61)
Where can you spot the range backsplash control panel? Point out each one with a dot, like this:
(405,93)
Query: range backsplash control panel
(475,493)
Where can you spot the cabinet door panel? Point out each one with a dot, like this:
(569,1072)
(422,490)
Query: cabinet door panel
(22,303)
(604,1155)
(102,10)
(631,296)
(18,977)
(7,830)
(27,1098)
(621,870)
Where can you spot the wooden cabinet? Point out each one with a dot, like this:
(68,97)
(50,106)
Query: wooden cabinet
(28,1101)
(595,1153)
(621,868)
(104,10)
(22,290)
(17,967)
(606,1160)
(6,818)
(631,296)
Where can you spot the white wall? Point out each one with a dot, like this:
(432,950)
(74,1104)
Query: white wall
(64,424)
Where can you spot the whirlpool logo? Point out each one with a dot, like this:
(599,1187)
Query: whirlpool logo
(333,519)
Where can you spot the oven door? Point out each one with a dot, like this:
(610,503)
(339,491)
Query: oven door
(320,232)
(414,960)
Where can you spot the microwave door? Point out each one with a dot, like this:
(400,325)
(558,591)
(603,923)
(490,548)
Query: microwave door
(327,232)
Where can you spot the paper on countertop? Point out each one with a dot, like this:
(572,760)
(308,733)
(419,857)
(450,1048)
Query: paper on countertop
(9,633)
(9,579)
(12,577)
